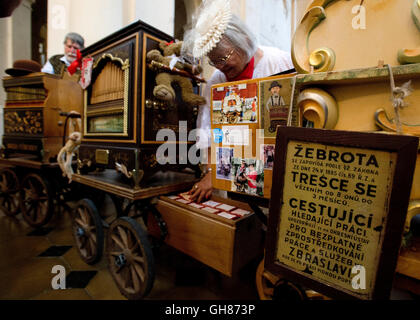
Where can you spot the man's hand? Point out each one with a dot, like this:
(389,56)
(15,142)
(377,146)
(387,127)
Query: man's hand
(202,190)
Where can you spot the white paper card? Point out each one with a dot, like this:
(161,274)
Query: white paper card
(211,210)
(226,215)
(240,212)
(195,205)
(235,135)
(226,207)
(183,201)
(211,203)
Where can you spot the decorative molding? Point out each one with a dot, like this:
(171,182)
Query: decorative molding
(320,60)
(407,56)
(319,107)
(385,123)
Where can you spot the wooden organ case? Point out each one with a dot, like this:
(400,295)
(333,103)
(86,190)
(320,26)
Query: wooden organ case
(121,117)
(33,121)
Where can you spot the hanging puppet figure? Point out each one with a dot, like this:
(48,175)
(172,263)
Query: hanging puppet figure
(65,156)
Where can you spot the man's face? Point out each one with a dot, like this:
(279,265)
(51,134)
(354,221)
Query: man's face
(228,60)
(70,50)
(275,90)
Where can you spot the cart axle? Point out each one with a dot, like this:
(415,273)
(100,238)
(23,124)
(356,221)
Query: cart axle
(120,260)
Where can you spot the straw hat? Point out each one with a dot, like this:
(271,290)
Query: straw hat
(23,67)
(211,24)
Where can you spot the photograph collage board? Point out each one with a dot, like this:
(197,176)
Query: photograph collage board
(244,117)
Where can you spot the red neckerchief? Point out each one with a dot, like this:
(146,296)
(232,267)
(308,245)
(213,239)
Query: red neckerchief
(247,73)
(76,64)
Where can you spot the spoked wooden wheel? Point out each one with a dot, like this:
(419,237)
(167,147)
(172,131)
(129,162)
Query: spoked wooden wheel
(130,258)
(9,192)
(36,200)
(88,232)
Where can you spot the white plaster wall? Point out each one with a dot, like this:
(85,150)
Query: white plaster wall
(96,19)
(158,13)
(270,21)
(15,44)
(5,60)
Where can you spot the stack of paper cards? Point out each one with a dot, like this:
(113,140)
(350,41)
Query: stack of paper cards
(174,197)
(186,196)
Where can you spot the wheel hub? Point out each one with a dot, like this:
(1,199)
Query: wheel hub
(120,260)
(80,232)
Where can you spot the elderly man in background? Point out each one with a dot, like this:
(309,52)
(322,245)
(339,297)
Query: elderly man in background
(58,63)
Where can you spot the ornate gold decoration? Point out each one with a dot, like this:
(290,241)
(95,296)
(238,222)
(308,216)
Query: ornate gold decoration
(24,122)
(407,56)
(102,156)
(137,176)
(385,123)
(320,60)
(150,161)
(319,107)
(123,169)
(124,64)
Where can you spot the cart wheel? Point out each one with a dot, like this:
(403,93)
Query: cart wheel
(271,287)
(9,192)
(130,258)
(88,231)
(231,119)
(36,200)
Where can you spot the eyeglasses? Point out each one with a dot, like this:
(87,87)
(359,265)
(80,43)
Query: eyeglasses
(222,61)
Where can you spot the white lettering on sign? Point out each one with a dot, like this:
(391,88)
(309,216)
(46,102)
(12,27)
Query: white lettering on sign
(58,281)
(359,21)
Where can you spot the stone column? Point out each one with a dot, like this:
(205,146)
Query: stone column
(15,41)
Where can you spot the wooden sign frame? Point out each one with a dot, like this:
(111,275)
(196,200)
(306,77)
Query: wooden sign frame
(399,151)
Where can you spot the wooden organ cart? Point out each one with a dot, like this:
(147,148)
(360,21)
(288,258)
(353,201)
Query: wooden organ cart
(36,114)
(117,158)
(365,84)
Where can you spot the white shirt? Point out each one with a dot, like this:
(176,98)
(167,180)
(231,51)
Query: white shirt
(48,68)
(273,61)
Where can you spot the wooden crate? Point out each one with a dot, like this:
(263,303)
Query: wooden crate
(223,244)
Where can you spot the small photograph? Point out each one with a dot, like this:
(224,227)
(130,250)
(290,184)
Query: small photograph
(235,104)
(267,155)
(275,99)
(224,163)
(248,176)
(235,135)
